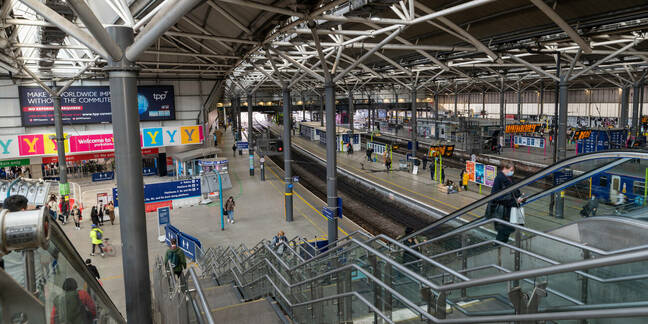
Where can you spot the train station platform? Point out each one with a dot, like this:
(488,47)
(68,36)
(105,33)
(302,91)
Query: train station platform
(528,156)
(423,189)
(259,214)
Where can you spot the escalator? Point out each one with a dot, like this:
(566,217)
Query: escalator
(559,267)
(44,279)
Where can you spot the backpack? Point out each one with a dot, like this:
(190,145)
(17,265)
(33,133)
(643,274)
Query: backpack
(70,309)
(98,234)
(173,259)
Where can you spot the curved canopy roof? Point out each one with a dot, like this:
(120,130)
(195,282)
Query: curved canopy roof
(430,45)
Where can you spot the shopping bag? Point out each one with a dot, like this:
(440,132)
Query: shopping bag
(517,216)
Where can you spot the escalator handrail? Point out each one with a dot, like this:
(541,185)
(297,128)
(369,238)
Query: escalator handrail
(65,247)
(483,222)
(631,154)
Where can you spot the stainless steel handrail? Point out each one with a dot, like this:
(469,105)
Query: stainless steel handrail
(528,230)
(621,154)
(201,295)
(63,244)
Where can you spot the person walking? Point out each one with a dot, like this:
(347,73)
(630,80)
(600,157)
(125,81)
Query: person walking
(234,150)
(278,242)
(96,237)
(64,205)
(100,214)
(229,208)
(388,163)
(501,207)
(76,217)
(92,269)
(425,161)
(369,154)
(110,210)
(176,258)
(94,216)
(73,306)
(52,206)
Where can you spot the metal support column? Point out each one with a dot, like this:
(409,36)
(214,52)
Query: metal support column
(64,186)
(561,139)
(413,122)
(436,116)
(251,139)
(128,156)
(502,114)
(331,160)
(303,106)
(483,112)
(625,106)
(238,120)
(456,98)
(287,120)
(541,108)
(635,109)
(321,116)
(369,114)
(351,111)
(519,105)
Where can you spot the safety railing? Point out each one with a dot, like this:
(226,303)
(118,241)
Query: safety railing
(607,161)
(270,275)
(38,282)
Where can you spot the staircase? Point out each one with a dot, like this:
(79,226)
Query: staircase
(588,271)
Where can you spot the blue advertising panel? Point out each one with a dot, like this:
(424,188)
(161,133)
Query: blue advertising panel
(167,191)
(164,215)
(103,176)
(91,105)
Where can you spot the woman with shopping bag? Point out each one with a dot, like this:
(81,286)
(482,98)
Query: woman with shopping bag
(503,206)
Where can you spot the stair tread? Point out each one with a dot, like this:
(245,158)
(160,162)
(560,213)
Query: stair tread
(254,312)
(221,296)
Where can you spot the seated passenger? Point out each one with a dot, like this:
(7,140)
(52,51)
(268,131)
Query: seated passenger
(451,187)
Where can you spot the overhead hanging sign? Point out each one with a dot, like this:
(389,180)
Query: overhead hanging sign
(91,105)
(443,150)
(538,142)
(523,128)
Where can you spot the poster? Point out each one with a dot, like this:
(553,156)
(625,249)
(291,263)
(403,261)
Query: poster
(470,168)
(91,105)
(491,173)
(479,173)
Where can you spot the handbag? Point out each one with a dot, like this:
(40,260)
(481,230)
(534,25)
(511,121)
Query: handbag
(517,215)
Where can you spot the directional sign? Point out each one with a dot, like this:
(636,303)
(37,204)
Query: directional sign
(164,215)
(188,246)
(242,145)
(103,176)
(328,213)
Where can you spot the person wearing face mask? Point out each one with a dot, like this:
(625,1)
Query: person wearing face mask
(503,180)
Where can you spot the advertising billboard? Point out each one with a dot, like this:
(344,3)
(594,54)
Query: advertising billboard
(91,105)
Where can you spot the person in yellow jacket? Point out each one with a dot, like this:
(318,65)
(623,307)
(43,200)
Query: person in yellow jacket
(96,237)
(464,179)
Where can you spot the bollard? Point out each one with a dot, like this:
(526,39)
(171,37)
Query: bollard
(262,168)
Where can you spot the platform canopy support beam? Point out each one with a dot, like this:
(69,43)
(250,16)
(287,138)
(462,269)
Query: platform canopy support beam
(251,139)
(413,121)
(351,110)
(128,156)
(287,121)
(625,107)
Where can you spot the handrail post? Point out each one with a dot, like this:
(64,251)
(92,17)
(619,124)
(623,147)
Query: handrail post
(584,283)
(464,258)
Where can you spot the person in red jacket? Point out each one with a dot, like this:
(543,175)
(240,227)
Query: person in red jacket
(73,306)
